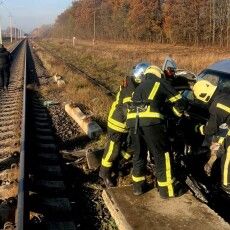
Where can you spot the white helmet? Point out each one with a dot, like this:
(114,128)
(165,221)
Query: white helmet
(138,72)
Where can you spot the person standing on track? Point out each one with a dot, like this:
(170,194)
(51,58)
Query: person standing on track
(5,62)
(145,119)
(117,128)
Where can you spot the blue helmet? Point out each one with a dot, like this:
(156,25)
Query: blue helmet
(138,72)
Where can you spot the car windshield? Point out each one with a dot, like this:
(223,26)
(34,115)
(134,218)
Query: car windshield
(216,78)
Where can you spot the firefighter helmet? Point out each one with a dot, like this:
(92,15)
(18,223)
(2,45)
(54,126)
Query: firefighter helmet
(155,71)
(204,90)
(138,71)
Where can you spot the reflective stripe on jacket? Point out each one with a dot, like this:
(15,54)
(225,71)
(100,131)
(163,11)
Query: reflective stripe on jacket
(118,110)
(155,93)
(219,114)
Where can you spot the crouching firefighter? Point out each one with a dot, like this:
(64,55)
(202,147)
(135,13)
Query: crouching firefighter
(219,109)
(117,129)
(147,127)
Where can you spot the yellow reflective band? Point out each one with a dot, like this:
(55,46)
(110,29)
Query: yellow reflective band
(117,123)
(166,183)
(226,167)
(127,99)
(114,105)
(105,161)
(228,134)
(125,155)
(116,128)
(201,128)
(176,112)
(169,179)
(147,114)
(221,140)
(138,179)
(154,91)
(223,107)
(175,98)
(168,174)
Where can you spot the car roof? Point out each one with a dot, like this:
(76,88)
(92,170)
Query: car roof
(221,66)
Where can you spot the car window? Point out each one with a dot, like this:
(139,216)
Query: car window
(216,78)
(210,76)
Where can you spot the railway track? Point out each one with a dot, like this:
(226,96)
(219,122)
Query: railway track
(37,198)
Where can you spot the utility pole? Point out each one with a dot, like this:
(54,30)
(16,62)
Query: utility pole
(94,27)
(94,23)
(15,33)
(0,32)
(11,31)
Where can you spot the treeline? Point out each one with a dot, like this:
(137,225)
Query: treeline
(172,21)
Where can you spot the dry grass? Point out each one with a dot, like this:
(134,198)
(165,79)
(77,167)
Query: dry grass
(108,61)
(77,90)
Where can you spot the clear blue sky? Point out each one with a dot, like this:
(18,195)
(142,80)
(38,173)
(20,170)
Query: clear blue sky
(29,14)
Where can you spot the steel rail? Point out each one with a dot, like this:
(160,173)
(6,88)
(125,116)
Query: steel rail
(22,215)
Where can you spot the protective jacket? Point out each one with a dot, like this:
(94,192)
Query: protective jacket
(117,128)
(152,95)
(219,114)
(5,58)
(118,110)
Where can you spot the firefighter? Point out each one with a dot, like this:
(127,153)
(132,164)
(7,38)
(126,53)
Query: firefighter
(117,129)
(219,109)
(5,61)
(147,127)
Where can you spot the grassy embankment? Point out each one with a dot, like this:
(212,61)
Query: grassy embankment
(109,62)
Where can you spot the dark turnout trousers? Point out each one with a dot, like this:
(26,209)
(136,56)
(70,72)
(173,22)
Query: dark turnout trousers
(153,138)
(113,148)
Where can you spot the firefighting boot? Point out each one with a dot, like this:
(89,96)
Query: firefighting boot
(178,189)
(226,189)
(105,174)
(139,188)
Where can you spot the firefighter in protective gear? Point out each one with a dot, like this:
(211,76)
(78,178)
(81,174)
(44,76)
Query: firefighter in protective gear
(117,129)
(219,109)
(146,112)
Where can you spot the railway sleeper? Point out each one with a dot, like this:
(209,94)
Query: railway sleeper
(43,131)
(51,159)
(49,172)
(52,208)
(49,188)
(45,125)
(45,139)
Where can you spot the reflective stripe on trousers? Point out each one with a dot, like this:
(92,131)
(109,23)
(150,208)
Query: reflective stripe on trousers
(105,161)
(169,180)
(226,168)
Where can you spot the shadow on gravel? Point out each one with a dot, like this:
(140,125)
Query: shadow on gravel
(78,142)
(85,196)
